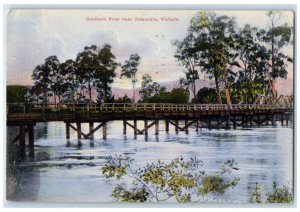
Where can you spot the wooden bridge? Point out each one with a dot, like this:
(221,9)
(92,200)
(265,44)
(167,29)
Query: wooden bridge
(181,116)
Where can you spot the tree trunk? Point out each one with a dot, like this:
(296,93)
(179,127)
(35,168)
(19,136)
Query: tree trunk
(194,89)
(133,92)
(217,88)
(90,91)
(272,82)
(228,101)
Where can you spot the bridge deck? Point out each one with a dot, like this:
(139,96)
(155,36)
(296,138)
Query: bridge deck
(32,112)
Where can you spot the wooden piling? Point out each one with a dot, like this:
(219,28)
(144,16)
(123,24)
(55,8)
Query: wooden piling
(22,135)
(176,126)
(167,125)
(91,127)
(234,122)
(78,124)
(156,127)
(146,127)
(67,130)
(31,135)
(124,127)
(197,125)
(227,123)
(135,126)
(186,126)
(104,133)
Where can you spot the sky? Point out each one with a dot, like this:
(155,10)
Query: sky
(33,35)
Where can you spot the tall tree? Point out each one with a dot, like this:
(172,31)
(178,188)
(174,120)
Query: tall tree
(96,69)
(149,88)
(215,44)
(276,37)
(188,56)
(71,84)
(129,70)
(44,77)
(87,62)
(105,73)
(253,58)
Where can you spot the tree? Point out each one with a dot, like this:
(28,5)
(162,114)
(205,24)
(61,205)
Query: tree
(189,57)
(129,70)
(214,44)
(124,99)
(16,93)
(179,179)
(105,73)
(45,78)
(207,96)
(250,79)
(149,88)
(96,69)
(87,63)
(71,84)
(276,37)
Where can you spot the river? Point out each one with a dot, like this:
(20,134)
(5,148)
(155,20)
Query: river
(61,171)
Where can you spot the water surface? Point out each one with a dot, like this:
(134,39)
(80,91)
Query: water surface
(58,170)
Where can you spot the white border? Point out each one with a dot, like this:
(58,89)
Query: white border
(135,4)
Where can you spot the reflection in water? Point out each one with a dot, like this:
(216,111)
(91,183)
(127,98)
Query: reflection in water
(60,170)
(22,177)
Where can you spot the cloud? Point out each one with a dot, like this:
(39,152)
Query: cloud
(122,49)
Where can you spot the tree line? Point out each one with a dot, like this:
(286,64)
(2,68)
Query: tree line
(241,62)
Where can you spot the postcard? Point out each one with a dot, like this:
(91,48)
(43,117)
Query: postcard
(150,106)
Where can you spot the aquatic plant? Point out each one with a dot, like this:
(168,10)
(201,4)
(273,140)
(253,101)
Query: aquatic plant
(277,195)
(180,180)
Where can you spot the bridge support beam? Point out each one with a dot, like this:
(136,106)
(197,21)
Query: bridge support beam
(31,135)
(167,125)
(156,127)
(22,135)
(146,127)
(78,125)
(234,122)
(176,126)
(186,126)
(135,127)
(104,132)
(91,128)
(124,127)
(67,130)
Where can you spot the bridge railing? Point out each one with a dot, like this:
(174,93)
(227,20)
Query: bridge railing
(22,108)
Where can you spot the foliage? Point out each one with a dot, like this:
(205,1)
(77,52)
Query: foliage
(207,96)
(96,69)
(246,60)
(124,99)
(16,93)
(189,58)
(150,88)
(178,179)
(277,37)
(177,95)
(129,70)
(46,77)
(277,195)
